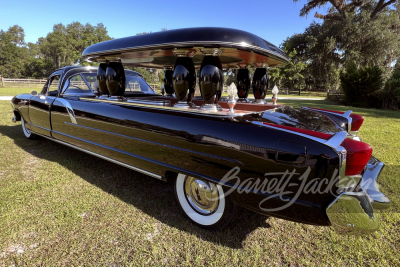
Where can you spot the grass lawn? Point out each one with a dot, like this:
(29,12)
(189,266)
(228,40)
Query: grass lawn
(62,207)
(12,91)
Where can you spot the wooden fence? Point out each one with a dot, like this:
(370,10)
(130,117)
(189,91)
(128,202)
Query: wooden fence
(34,83)
(39,83)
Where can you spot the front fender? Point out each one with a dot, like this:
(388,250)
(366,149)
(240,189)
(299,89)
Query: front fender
(20,107)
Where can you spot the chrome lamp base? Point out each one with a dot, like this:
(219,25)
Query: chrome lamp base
(184,105)
(211,107)
(260,101)
(117,98)
(243,100)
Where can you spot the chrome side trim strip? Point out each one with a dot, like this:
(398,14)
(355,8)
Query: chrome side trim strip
(156,143)
(103,157)
(69,108)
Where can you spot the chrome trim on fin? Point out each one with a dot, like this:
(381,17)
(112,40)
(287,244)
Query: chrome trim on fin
(369,183)
(336,140)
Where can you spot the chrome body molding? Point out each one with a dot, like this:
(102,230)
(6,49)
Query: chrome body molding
(105,158)
(352,213)
(164,103)
(69,108)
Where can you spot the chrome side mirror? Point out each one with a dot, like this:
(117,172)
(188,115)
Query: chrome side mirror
(34,93)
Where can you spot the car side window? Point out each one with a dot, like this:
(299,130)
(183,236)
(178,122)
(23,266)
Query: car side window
(91,79)
(77,85)
(51,86)
(137,84)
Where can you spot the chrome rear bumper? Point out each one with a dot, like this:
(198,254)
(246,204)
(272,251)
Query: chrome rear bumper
(353,212)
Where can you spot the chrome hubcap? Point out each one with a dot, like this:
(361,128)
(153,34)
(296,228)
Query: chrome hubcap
(201,195)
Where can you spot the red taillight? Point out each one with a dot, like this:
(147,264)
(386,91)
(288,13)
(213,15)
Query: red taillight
(356,120)
(358,153)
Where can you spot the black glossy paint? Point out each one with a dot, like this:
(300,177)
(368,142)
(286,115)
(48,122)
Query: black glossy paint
(211,79)
(115,79)
(205,36)
(168,86)
(260,83)
(243,83)
(158,140)
(101,79)
(184,79)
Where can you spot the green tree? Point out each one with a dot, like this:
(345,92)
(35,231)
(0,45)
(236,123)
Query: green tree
(65,44)
(290,76)
(359,84)
(368,36)
(341,8)
(13,52)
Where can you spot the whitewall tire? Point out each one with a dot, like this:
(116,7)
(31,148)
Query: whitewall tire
(204,203)
(28,134)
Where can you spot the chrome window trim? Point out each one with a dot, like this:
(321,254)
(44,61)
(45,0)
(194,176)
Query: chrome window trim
(68,82)
(83,78)
(57,73)
(65,74)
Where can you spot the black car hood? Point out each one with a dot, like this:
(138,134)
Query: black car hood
(301,118)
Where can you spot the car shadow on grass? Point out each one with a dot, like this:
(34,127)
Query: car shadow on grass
(153,197)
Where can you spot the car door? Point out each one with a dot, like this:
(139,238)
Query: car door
(40,105)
